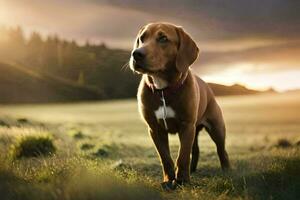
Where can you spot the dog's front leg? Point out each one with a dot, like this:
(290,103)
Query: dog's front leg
(161,141)
(186,137)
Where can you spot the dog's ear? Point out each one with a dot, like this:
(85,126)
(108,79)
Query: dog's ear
(187,50)
(136,42)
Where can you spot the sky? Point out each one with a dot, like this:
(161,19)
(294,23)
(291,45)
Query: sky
(255,43)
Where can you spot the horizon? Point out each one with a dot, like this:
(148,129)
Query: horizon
(258,52)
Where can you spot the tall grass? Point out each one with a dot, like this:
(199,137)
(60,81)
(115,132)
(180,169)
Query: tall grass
(264,151)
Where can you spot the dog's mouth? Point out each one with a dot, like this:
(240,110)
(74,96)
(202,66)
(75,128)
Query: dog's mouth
(141,68)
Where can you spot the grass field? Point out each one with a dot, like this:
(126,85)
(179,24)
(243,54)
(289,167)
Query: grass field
(103,152)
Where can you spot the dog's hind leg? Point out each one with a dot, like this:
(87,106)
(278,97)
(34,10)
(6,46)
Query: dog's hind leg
(195,150)
(217,133)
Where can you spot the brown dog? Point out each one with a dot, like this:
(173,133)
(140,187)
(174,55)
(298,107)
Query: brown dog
(173,100)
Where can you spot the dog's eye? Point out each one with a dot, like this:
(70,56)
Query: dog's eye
(142,38)
(162,39)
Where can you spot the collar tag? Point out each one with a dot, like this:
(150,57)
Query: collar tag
(164,110)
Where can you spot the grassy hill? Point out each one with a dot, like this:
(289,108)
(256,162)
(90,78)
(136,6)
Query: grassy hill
(21,85)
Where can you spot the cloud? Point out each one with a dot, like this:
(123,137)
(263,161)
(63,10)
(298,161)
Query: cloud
(115,20)
(265,58)
(75,19)
(215,20)
(271,53)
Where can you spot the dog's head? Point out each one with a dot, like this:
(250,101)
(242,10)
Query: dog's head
(161,46)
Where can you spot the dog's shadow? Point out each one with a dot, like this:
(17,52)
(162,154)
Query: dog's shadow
(208,172)
(155,170)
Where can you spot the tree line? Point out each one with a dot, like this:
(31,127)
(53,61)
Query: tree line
(88,65)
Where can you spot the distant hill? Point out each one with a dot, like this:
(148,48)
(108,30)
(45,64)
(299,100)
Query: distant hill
(21,85)
(293,91)
(222,90)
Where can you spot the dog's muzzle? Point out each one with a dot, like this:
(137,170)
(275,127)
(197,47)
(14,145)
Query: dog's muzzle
(139,59)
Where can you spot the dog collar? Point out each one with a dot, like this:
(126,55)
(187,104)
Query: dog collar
(169,89)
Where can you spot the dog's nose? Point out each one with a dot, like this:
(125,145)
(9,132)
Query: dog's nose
(138,54)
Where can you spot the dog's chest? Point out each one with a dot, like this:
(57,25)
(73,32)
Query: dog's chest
(164,112)
(159,109)
(166,118)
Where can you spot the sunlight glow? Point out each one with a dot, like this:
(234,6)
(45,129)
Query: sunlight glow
(245,75)
(5,14)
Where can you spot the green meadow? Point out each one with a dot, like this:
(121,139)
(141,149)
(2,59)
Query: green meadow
(102,151)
